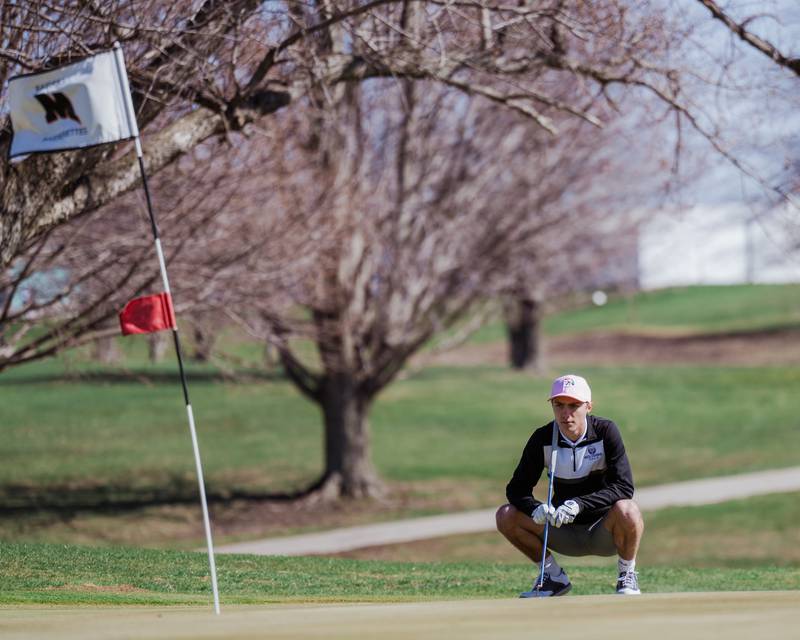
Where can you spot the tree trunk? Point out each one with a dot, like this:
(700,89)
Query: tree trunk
(271,358)
(523,322)
(157,344)
(204,339)
(106,351)
(348,466)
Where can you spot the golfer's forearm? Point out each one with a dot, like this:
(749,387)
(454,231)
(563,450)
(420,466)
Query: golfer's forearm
(525,504)
(606,497)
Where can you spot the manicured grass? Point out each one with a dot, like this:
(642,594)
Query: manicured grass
(61,574)
(129,437)
(741,533)
(121,433)
(749,533)
(692,309)
(706,309)
(112,433)
(677,422)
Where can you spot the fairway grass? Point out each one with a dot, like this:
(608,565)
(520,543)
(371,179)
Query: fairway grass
(110,435)
(446,439)
(89,441)
(62,574)
(674,311)
(739,534)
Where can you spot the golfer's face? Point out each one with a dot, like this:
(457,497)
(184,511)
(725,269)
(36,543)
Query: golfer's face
(569,412)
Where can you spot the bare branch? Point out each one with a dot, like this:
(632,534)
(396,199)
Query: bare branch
(759,44)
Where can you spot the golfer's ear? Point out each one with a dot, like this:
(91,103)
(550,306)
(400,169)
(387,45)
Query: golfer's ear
(589,405)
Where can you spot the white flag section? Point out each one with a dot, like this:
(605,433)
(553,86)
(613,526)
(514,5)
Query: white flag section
(78,105)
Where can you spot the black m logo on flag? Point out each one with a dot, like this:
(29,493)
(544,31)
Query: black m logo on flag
(57,105)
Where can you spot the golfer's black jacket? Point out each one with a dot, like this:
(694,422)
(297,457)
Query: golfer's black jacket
(595,473)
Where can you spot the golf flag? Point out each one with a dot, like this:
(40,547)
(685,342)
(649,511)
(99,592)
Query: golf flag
(147,314)
(84,104)
(74,106)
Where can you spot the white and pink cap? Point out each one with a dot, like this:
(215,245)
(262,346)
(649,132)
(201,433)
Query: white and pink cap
(571,386)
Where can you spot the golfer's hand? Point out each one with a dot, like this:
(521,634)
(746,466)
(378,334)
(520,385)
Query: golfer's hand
(565,514)
(542,512)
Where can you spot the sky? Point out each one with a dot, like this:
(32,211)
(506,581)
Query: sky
(761,123)
(724,227)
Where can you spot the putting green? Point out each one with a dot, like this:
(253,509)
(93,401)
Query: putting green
(729,615)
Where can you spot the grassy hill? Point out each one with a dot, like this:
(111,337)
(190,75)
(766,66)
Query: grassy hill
(684,310)
(75,439)
(444,438)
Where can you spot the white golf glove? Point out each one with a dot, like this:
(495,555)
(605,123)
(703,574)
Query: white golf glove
(542,512)
(565,514)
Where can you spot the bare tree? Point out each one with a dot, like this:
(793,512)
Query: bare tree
(426,207)
(179,56)
(205,69)
(375,123)
(591,183)
(68,288)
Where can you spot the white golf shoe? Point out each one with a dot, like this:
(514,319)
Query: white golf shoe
(628,584)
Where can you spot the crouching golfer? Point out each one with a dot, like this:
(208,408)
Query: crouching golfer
(592,512)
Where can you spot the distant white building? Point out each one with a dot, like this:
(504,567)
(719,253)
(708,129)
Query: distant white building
(721,244)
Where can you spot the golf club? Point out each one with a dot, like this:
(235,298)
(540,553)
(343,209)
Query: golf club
(550,474)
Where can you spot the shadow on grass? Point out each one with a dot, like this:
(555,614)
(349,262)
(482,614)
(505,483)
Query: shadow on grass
(15,499)
(143,377)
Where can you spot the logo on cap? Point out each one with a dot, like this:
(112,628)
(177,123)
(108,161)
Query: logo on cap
(572,386)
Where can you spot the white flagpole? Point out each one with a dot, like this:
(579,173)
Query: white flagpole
(134,127)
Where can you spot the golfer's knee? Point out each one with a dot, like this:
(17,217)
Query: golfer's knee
(505,518)
(628,515)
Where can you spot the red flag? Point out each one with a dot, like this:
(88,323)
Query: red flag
(147,314)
